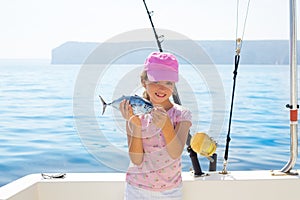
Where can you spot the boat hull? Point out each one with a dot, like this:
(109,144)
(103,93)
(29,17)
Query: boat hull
(235,185)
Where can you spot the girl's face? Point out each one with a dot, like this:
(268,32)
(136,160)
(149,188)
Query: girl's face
(159,91)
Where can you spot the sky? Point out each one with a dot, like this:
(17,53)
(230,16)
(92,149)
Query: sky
(32,28)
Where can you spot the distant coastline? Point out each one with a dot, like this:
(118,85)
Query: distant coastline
(269,52)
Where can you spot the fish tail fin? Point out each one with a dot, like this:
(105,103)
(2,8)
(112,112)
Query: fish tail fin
(103,103)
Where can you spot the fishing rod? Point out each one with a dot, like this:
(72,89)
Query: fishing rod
(228,139)
(238,45)
(153,28)
(193,154)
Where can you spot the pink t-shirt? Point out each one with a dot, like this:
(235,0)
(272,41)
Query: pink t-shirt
(158,171)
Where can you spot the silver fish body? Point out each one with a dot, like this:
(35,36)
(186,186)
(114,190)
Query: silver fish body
(139,105)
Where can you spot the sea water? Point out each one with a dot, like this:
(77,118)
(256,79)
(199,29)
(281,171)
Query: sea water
(45,124)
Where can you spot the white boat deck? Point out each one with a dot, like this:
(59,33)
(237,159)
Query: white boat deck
(236,185)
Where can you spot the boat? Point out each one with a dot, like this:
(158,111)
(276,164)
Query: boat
(235,185)
(228,185)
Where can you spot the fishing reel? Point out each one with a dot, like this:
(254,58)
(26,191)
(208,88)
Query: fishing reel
(204,145)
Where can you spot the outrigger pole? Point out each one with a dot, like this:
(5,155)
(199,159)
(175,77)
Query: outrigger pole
(294,91)
(193,154)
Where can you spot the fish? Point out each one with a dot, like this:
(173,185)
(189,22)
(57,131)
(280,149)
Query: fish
(139,105)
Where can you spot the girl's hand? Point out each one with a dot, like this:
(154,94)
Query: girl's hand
(126,109)
(127,113)
(159,116)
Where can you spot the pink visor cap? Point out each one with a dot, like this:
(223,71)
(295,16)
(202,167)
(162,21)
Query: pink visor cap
(161,66)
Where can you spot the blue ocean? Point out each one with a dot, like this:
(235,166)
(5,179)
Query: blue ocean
(51,117)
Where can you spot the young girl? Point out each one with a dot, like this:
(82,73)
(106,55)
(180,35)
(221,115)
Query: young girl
(156,140)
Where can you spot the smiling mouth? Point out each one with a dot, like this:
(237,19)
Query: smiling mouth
(160,95)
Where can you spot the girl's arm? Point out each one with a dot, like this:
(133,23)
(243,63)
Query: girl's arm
(134,139)
(175,138)
(134,133)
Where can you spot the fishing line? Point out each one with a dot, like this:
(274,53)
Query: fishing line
(236,65)
(238,43)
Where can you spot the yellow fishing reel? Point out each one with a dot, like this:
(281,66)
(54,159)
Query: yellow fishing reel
(204,145)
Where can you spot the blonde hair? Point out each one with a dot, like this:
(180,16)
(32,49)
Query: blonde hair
(144,78)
